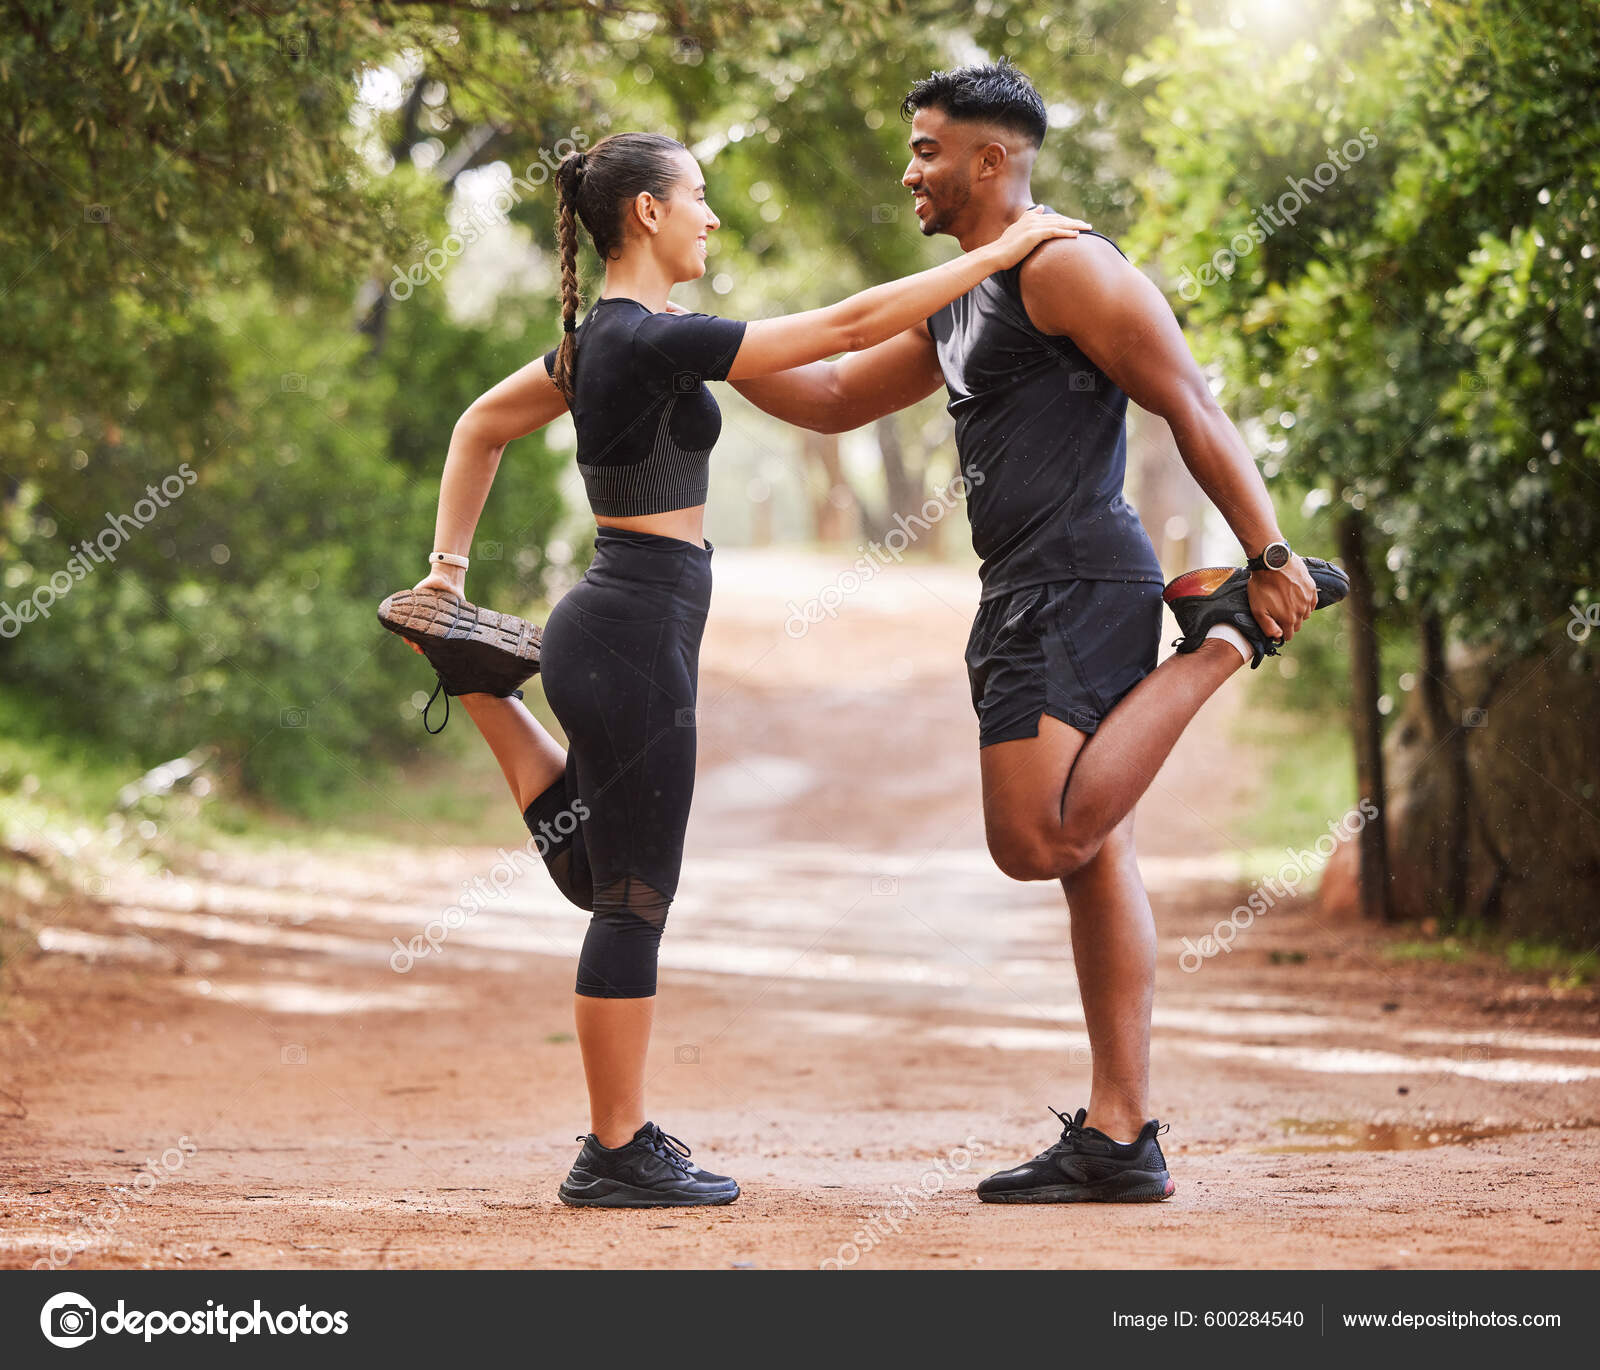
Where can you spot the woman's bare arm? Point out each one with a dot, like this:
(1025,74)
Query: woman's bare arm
(874,316)
(522,403)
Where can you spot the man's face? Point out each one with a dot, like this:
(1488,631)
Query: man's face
(939,174)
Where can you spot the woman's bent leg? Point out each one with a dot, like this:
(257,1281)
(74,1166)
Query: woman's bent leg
(555,818)
(540,777)
(530,759)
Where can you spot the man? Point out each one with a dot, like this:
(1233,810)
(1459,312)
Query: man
(1074,717)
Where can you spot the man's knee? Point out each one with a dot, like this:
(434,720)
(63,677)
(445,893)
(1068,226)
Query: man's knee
(1017,860)
(1088,864)
(1041,856)
(1071,855)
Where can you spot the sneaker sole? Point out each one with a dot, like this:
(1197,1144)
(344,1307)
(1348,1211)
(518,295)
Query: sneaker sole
(421,617)
(615,1194)
(1201,584)
(1143,1186)
(1331,581)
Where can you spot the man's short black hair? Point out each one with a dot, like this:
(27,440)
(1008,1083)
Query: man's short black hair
(994,93)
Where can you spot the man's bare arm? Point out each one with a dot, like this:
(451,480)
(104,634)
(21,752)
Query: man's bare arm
(1099,299)
(834,397)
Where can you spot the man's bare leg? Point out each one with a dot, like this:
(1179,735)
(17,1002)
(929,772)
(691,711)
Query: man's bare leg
(1114,952)
(1060,806)
(1040,826)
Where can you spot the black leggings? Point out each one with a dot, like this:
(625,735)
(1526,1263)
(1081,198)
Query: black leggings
(620,661)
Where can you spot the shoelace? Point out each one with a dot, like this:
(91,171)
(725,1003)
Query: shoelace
(669,1148)
(460,600)
(1070,1129)
(429,705)
(517,694)
(1271,649)
(1069,1121)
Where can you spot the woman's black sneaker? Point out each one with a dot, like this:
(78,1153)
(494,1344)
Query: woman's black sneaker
(472,650)
(651,1171)
(1086,1166)
(1220,594)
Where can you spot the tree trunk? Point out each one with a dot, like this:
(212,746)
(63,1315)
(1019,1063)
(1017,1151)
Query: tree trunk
(1366,721)
(837,509)
(1447,720)
(376,322)
(1530,861)
(1171,504)
(905,489)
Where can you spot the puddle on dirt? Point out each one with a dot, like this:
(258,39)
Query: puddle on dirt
(1353,1136)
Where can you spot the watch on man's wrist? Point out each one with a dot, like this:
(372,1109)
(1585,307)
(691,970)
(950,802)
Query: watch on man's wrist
(1273,557)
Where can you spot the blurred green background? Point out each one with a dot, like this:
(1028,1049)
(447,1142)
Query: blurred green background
(207,205)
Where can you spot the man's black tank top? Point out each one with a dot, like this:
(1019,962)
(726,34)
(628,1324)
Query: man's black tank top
(1042,440)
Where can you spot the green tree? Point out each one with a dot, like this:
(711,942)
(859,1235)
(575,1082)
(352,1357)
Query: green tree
(1385,225)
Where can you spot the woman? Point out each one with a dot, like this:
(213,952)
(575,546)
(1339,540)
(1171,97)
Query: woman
(620,653)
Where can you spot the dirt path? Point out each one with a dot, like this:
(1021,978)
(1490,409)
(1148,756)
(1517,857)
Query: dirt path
(860,1018)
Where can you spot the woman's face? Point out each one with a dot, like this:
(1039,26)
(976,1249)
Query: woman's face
(683,223)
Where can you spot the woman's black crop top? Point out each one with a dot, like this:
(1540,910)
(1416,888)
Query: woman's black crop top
(646,422)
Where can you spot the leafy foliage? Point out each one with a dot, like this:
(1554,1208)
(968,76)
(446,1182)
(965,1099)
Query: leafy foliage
(203,205)
(242,612)
(1421,334)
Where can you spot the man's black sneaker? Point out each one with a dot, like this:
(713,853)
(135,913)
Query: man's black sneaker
(1086,1166)
(651,1171)
(472,650)
(1220,594)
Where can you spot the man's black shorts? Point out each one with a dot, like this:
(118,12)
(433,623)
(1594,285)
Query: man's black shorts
(1070,649)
